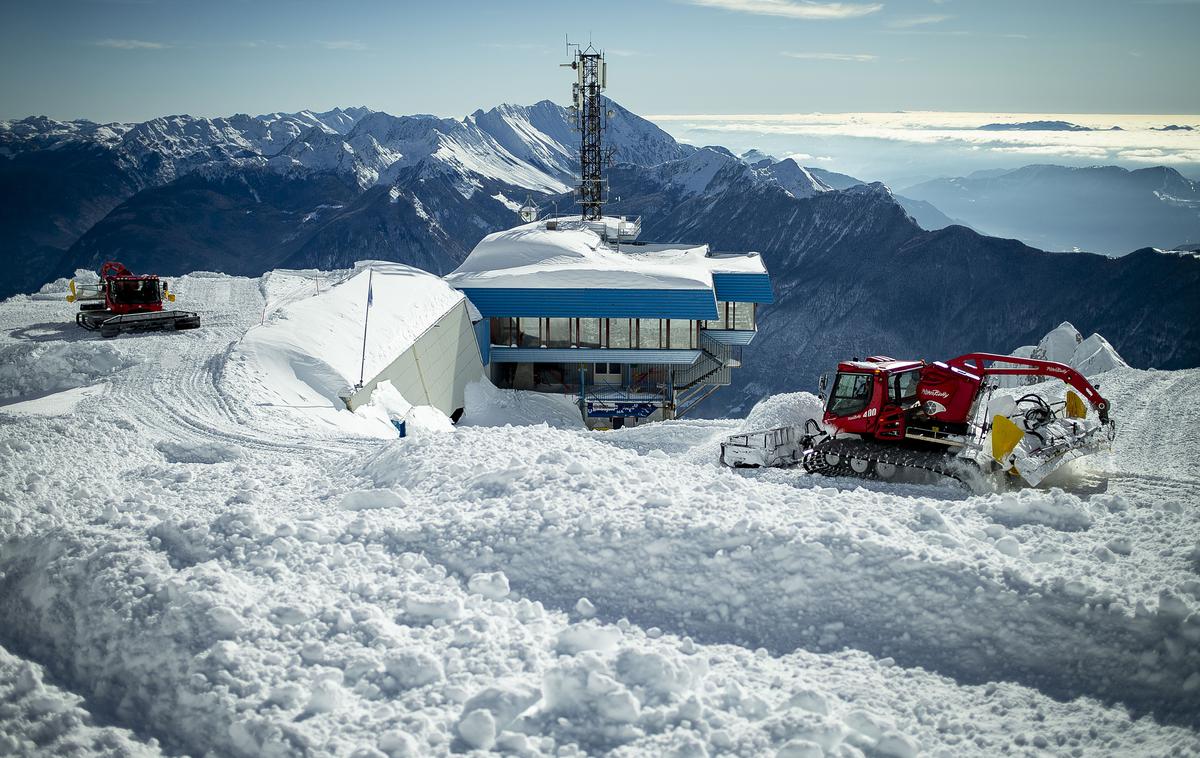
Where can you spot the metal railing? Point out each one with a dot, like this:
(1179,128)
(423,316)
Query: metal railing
(713,367)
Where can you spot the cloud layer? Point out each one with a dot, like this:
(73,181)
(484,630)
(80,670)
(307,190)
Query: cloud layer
(801,9)
(849,57)
(1139,138)
(131,44)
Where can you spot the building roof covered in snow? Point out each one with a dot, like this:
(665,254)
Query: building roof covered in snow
(568,267)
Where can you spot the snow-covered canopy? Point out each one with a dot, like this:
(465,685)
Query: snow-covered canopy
(316,343)
(571,255)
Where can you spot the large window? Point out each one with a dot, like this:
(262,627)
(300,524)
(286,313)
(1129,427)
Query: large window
(618,333)
(530,332)
(731,315)
(650,333)
(851,393)
(503,331)
(743,315)
(589,332)
(560,332)
(719,321)
(682,334)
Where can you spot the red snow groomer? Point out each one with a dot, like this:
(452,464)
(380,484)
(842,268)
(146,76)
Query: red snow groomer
(126,302)
(884,416)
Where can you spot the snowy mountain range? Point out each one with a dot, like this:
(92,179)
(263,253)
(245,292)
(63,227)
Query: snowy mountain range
(243,194)
(855,271)
(1102,209)
(803,181)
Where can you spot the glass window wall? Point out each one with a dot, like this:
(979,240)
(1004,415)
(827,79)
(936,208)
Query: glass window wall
(682,334)
(619,333)
(743,316)
(530,331)
(649,333)
(560,332)
(589,332)
(719,321)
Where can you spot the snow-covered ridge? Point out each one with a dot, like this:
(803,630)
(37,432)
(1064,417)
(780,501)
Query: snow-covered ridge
(528,147)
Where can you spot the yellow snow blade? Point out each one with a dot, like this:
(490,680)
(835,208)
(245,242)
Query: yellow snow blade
(71,297)
(1005,437)
(171,296)
(1075,407)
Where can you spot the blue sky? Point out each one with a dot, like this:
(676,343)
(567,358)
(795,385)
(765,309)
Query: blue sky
(134,59)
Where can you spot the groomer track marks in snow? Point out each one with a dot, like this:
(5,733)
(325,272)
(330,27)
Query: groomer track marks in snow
(224,579)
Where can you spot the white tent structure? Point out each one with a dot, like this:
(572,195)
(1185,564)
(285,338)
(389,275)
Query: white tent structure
(418,336)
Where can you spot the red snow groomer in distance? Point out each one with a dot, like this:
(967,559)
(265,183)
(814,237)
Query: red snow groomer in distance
(883,416)
(126,302)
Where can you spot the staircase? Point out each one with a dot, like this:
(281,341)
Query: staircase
(712,371)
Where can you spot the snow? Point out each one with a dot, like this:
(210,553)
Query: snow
(1065,344)
(307,352)
(36,368)
(186,567)
(798,181)
(574,256)
(38,718)
(487,405)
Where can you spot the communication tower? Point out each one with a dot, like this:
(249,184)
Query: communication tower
(591,78)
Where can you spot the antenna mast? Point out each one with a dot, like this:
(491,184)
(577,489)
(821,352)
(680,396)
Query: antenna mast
(590,119)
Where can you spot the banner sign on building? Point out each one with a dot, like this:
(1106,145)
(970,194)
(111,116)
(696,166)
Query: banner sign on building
(603,409)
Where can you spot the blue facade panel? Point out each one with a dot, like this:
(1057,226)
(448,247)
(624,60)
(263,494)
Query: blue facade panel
(594,303)
(592,355)
(483,336)
(744,288)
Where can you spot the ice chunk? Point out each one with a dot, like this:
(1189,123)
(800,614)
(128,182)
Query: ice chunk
(587,636)
(478,729)
(414,668)
(491,585)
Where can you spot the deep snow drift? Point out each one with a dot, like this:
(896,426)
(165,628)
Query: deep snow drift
(1065,344)
(186,567)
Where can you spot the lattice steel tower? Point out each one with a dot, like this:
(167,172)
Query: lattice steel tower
(590,119)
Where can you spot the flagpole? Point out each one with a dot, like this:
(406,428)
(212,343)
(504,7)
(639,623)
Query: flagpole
(366,317)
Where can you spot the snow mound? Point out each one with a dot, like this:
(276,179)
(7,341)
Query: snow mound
(40,719)
(788,567)
(178,451)
(1064,344)
(58,289)
(788,409)
(488,405)
(29,370)
(388,405)
(1054,509)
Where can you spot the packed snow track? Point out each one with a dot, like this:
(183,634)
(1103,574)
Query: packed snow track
(186,568)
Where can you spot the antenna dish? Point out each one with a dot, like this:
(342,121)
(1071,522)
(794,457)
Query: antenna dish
(529,211)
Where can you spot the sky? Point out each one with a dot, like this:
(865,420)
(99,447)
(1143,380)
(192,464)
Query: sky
(827,82)
(134,59)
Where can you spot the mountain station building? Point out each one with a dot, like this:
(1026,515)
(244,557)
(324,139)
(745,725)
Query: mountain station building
(635,331)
